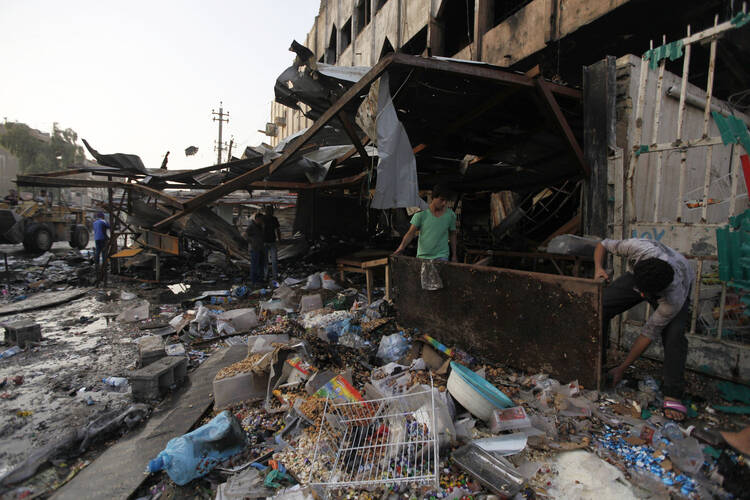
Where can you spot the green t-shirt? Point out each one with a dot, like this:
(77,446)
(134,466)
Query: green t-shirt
(433,233)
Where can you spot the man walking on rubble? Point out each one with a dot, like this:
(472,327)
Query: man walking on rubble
(100,238)
(254,234)
(436,227)
(271,233)
(663,277)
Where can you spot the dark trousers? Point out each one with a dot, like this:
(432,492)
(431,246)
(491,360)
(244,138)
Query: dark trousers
(621,296)
(257,257)
(99,250)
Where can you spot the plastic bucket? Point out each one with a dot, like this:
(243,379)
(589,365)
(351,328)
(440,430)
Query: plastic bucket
(475,393)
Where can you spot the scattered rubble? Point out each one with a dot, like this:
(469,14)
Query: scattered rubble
(339,398)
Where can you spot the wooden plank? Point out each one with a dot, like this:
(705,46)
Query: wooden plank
(369,281)
(127,252)
(559,119)
(375,263)
(351,132)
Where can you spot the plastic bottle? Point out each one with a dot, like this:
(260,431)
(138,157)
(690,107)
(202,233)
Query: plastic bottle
(708,436)
(195,454)
(672,431)
(115,381)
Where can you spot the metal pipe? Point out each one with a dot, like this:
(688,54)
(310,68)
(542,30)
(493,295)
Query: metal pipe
(700,103)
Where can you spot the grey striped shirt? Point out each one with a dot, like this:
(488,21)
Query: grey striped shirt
(670,300)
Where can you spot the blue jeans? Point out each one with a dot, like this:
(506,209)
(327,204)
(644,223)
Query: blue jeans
(101,245)
(272,251)
(256,265)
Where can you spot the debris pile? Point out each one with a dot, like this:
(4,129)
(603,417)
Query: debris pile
(337,398)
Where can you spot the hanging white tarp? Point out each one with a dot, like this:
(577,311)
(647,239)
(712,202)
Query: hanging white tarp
(397,185)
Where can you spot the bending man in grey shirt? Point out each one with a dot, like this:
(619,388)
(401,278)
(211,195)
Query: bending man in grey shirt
(663,277)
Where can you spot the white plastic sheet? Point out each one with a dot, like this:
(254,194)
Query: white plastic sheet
(397,185)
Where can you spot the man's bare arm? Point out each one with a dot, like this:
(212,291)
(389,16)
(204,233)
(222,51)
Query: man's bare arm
(410,234)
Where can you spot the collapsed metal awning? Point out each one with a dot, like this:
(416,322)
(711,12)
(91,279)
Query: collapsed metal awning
(510,129)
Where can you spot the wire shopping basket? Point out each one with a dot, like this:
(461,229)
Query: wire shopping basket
(378,442)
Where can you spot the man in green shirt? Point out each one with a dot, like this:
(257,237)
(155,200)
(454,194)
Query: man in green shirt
(436,227)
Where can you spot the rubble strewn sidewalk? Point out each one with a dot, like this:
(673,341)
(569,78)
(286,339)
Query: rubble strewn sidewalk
(337,398)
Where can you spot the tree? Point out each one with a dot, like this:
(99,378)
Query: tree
(40,153)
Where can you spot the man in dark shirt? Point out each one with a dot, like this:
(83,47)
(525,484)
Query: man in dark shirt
(254,236)
(271,232)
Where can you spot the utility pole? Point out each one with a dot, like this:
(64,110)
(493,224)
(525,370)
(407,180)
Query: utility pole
(221,119)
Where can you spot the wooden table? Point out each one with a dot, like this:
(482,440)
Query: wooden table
(365,262)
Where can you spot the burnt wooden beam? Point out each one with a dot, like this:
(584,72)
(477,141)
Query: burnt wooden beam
(351,132)
(481,71)
(338,161)
(553,109)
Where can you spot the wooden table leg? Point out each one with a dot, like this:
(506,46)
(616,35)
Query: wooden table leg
(387,282)
(368,276)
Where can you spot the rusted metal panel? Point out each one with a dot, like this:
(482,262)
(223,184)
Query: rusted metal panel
(533,322)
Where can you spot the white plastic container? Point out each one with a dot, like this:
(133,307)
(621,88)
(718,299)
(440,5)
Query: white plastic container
(509,419)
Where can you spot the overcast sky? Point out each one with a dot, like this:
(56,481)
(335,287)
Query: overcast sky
(142,77)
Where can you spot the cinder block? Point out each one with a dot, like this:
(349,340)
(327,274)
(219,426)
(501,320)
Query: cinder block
(150,349)
(22,332)
(151,381)
(239,388)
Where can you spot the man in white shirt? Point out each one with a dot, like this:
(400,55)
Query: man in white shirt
(663,277)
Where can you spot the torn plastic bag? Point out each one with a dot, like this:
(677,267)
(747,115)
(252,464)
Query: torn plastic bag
(313,282)
(246,484)
(392,347)
(430,276)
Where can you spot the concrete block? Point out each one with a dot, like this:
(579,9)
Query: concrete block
(239,388)
(150,349)
(151,381)
(22,332)
(241,320)
(310,303)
